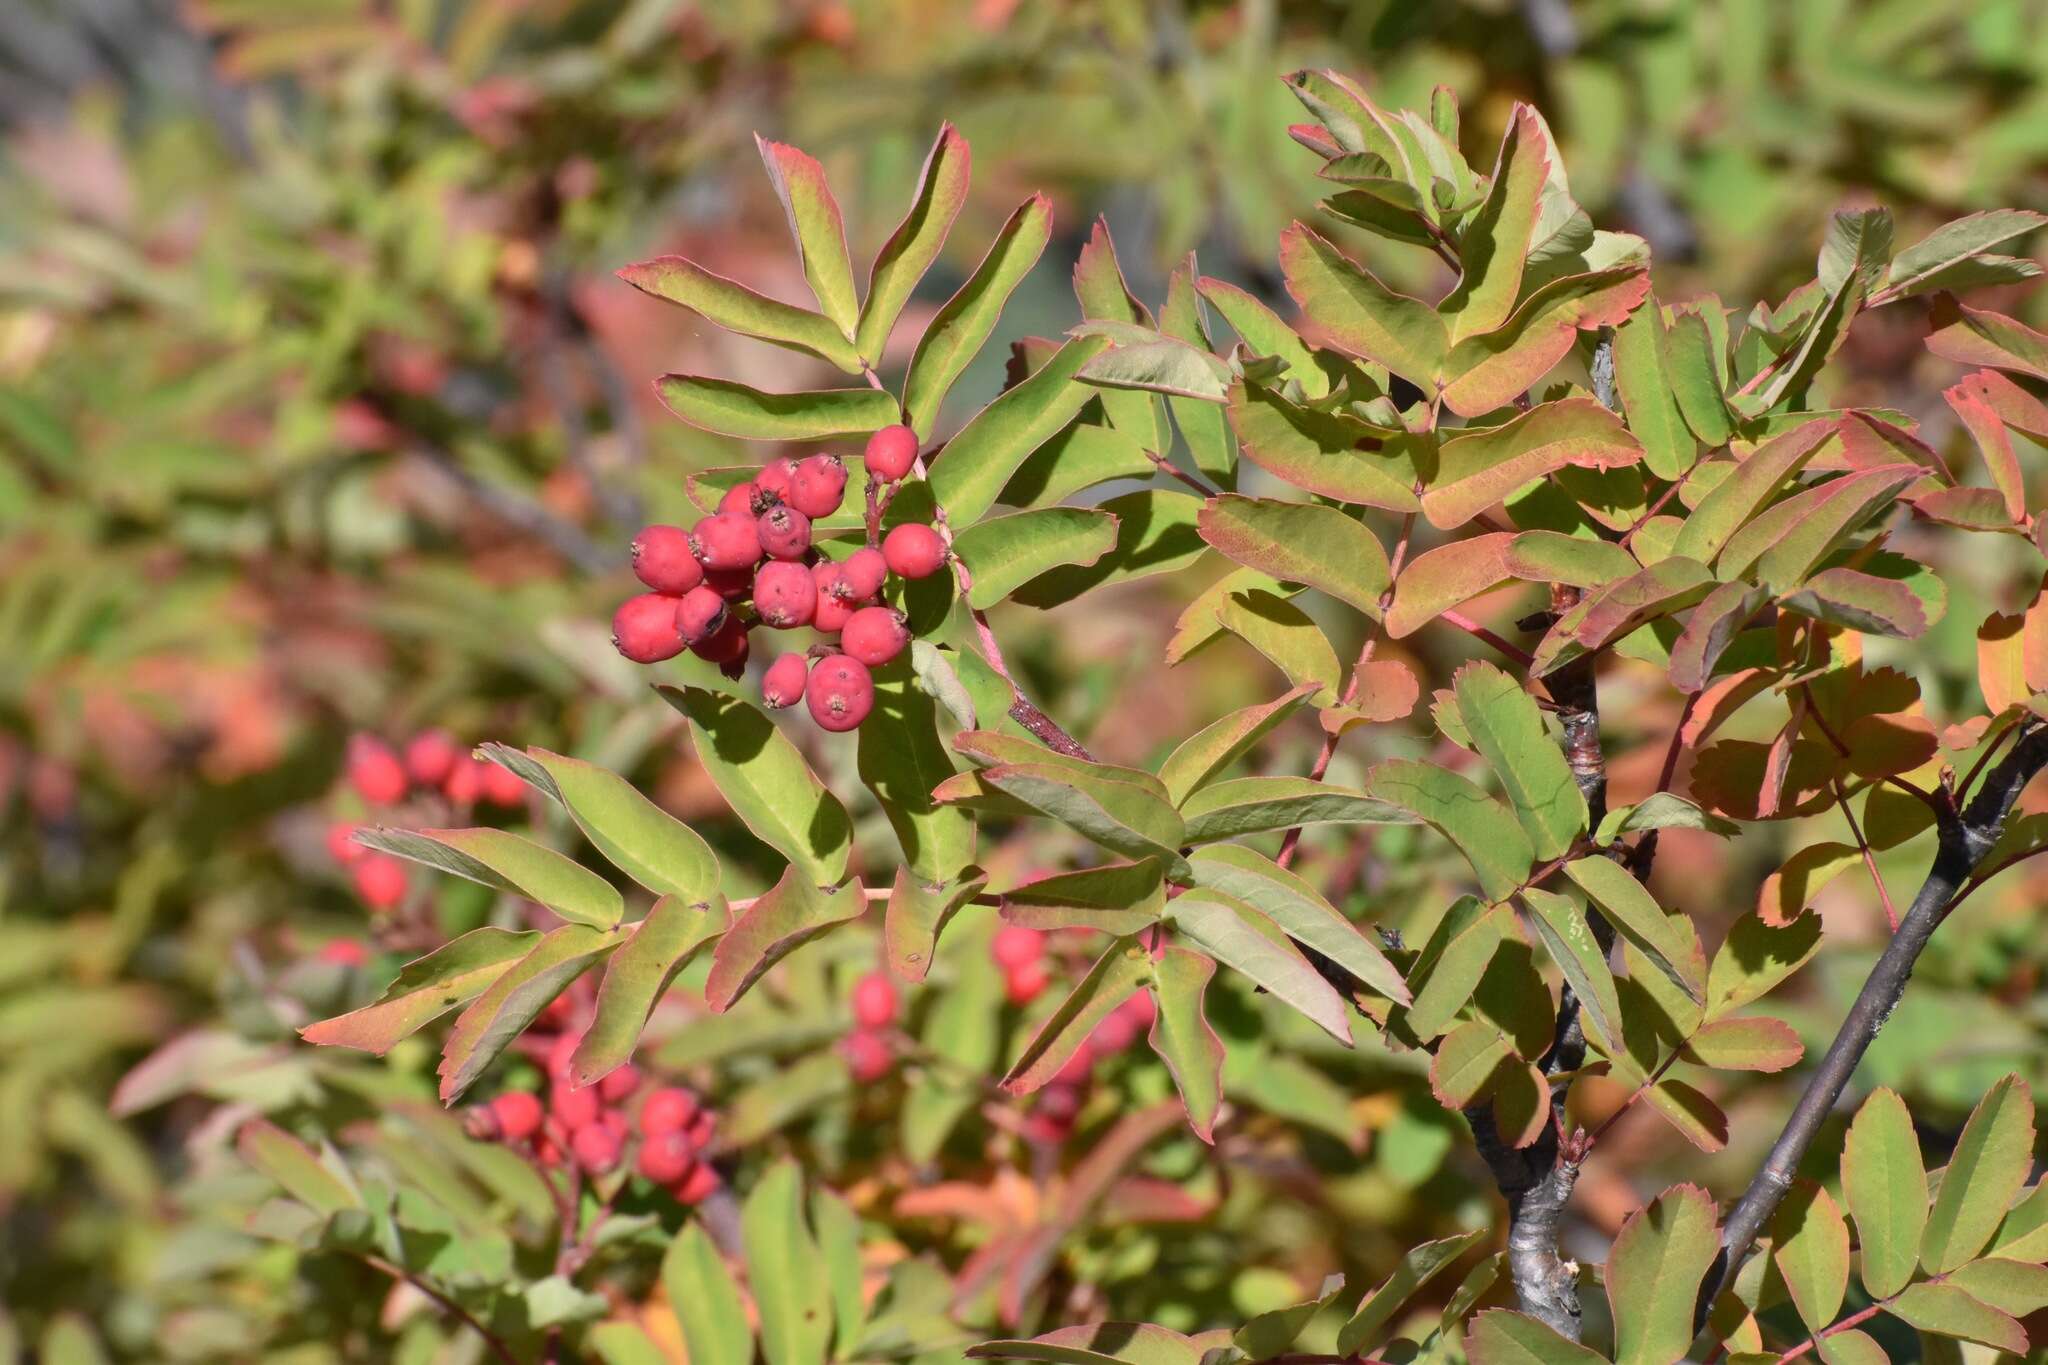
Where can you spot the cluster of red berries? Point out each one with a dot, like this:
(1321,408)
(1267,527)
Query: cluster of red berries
(1020,952)
(867,1049)
(1058,1103)
(382,776)
(595,1125)
(752,562)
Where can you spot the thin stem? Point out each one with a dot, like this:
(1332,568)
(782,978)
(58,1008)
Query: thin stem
(1891,913)
(1861,1315)
(1166,466)
(1477,631)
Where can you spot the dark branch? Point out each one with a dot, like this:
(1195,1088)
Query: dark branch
(1966,838)
(1537,1183)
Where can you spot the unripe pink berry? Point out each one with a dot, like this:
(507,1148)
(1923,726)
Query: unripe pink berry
(913,550)
(344,952)
(597,1149)
(1078,1068)
(697,1186)
(727,647)
(785,594)
(619,1084)
(430,757)
(518,1113)
(380,880)
(644,628)
(868,1056)
(727,540)
(773,480)
(342,845)
(785,533)
(739,498)
(1061,1100)
(465,784)
(662,559)
(817,486)
(864,571)
(874,1001)
(840,693)
(1022,985)
(874,635)
(891,452)
(374,771)
(670,1109)
(783,684)
(502,786)
(699,613)
(546,1152)
(1015,946)
(576,1106)
(666,1158)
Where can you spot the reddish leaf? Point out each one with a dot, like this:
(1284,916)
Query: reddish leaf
(1439,579)
(1474,472)
(1357,314)
(1485,372)
(1973,336)
(1751,1044)
(1994,445)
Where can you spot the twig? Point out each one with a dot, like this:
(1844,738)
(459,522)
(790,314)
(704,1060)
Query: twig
(447,1305)
(1891,912)
(1477,631)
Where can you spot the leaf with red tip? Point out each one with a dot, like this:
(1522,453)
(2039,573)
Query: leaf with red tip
(1358,314)
(1182,1037)
(815,223)
(1860,601)
(957,332)
(1442,578)
(1264,334)
(637,975)
(1521,1103)
(1919,266)
(727,408)
(1969,507)
(1712,627)
(731,305)
(1736,499)
(1654,1273)
(911,249)
(1971,336)
(918,913)
(792,913)
(424,990)
(503,860)
(1495,242)
(1663,589)
(1750,1044)
(1800,879)
(1301,542)
(515,999)
(1116,975)
(1995,445)
(1484,372)
(2014,406)
(1333,454)
(1476,471)
(1216,746)
(1243,939)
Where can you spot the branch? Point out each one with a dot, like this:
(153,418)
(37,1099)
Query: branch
(497,1346)
(1537,1182)
(1966,838)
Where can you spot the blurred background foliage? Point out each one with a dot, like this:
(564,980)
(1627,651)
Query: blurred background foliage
(321,412)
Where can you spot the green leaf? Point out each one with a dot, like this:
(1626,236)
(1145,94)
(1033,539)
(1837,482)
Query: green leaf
(1755,957)
(1081,457)
(1327,453)
(766,781)
(1241,938)
(1117,898)
(296,1168)
(911,249)
(1467,1061)
(1004,553)
(1205,430)
(1502,1337)
(784,1095)
(1553,557)
(1712,627)
(959,329)
(2016,1287)
(1148,361)
(2024,1233)
(1287,636)
(624,1343)
(1759,1044)
(1985,1173)
(1478,470)
(1787,542)
(1123,817)
(1949,1311)
(1251,805)
(820,234)
(838,1232)
(425,989)
(1810,1243)
(1733,502)
(1301,542)
(970,472)
(1265,334)
(507,862)
(1653,412)
(1568,938)
(1654,1274)
(1955,242)
(786,1270)
(1270,1333)
(1481,829)
(1301,911)
(1358,314)
(1507,729)
(1860,601)
(1135,1343)
(731,305)
(725,407)
(1119,972)
(1452,963)
(1221,743)
(780,921)
(901,760)
(1668,941)
(638,974)
(638,837)
(1183,1039)
(1697,371)
(1886,1189)
(1443,577)
(515,999)
(1156,533)
(1495,242)
(917,913)
(1364,1332)
(1485,372)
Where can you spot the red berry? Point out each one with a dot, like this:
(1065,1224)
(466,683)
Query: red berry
(772,482)
(874,1001)
(1061,1100)
(666,1158)
(380,880)
(502,786)
(1078,1067)
(734,585)
(546,1152)
(562,1056)
(891,452)
(344,952)
(670,1109)
(619,1084)
(662,559)
(868,1056)
(465,781)
(644,628)
(863,572)
(874,635)
(727,540)
(836,602)
(597,1148)
(840,693)
(699,614)
(817,486)
(1140,1009)
(785,594)
(614,1121)
(701,1128)
(1113,1034)
(430,757)
(783,684)
(341,843)
(374,771)
(739,498)
(785,533)
(913,550)
(518,1113)
(576,1106)
(1015,947)
(697,1186)
(1022,985)
(728,648)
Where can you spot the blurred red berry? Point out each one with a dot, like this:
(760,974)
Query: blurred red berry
(546,1152)
(662,559)
(1015,945)
(341,843)
(874,1001)
(430,757)
(502,786)
(697,1186)
(380,880)
(1022,985)
(619,1084)
(518,1114)
(597,1149)
(868,1056)
(701,1129)
(666,1158)
(374,771)
(576,1106)
(670,1109)
(344,952)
